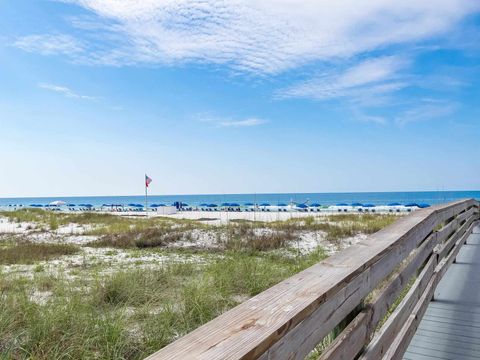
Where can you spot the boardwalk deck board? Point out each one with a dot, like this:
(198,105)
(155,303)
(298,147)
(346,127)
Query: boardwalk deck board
(450,328)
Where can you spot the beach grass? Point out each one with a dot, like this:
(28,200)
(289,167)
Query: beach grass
(131,313)
(99,223)
(26,252)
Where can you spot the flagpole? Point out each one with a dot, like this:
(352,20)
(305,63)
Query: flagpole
(146,201)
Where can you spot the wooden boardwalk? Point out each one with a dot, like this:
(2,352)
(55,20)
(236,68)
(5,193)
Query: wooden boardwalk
(450,328)
(289,319)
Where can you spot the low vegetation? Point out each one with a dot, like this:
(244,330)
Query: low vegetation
(26,252)
(96,308)
(130,314)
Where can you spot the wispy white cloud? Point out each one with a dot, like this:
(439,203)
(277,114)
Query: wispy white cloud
(262,37)
(370,78)
(65,91)
(242,123)
(49,44)
(427,109)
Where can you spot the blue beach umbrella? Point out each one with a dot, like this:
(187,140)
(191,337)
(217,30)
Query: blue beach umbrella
(212,205)
(204,205)
(302,206)
(265,204)
(71,205)
(282,204)
(369,205)
(234,204)
(357,204)
(342,204)
(315,205)
(249,204)
(132,204)
(423,206)
(225,204)
(394,204)
(411,205)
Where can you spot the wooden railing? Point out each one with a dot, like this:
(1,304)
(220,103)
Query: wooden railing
(355,288)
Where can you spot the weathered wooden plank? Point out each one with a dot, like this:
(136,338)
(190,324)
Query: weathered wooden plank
(463,216)
(378,307)
(302,339)
(255,326)
(445,232)
(382,340)
(447,261)
(403,338)
(347,345)
(387,296)
(444,248)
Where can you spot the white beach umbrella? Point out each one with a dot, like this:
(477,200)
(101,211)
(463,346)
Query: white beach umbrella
(57,203)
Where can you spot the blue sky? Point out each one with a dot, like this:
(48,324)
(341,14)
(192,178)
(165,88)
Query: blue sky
(209,96)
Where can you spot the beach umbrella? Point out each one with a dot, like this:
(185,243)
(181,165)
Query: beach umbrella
(88,205)
(342,204)
(369,205)
(183,204)
(411,205)
(204,205)
(282,204)
(315,205)
(57,203)
(153,205)
(212,205)
(302,206)
(225,204)
(423,206)
(394,204)
(357,204)
(234,204)
(132,204)
(265,204)
(249,204)
(161,205)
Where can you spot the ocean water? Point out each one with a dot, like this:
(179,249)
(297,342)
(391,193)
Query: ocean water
(376,198)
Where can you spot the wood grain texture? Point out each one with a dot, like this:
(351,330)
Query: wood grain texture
(384,337)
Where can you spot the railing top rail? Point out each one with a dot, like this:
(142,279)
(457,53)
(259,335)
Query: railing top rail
(251,328)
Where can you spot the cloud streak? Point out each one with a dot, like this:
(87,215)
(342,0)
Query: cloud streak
(373,77)
(50,44)
(242,123)
(65,91)
(427,109)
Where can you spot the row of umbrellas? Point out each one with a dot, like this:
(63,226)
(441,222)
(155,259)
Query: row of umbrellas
(302,206)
